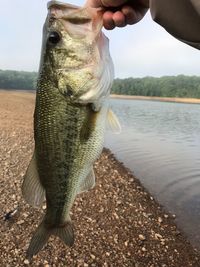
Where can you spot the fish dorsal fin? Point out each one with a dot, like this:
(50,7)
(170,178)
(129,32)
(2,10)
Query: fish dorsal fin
(113,122)
(88,183)
(32,189)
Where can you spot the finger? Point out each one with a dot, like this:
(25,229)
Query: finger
(130,15)
(108,20)
(119,19)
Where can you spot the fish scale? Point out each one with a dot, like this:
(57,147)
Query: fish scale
(58,131)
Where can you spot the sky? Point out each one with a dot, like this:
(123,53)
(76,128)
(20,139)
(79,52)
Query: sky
(140,50)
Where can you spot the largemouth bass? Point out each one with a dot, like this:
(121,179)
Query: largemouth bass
(75,76)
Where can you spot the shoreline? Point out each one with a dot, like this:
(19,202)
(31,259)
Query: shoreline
(127,97)
(118,223)
(160,99)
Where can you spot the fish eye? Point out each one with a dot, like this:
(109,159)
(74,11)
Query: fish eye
(54,38)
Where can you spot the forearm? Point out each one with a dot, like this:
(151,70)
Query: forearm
(181,18)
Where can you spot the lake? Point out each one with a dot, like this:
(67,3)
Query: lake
(160,143)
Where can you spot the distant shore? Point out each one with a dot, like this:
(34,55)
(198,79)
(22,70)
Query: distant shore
(161,99)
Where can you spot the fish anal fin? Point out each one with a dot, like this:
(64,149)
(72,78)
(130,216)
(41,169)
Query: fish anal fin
(88,183)
(113,122)
(32,189)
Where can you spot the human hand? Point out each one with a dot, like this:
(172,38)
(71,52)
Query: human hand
(119,13)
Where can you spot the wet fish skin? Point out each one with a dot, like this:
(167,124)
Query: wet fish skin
(69,119)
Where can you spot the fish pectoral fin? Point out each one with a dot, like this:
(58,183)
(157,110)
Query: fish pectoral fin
(32,189)
(113,122)
(88,183)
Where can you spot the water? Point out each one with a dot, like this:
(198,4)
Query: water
(160,143)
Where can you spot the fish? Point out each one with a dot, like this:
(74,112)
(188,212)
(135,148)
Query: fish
(71,110)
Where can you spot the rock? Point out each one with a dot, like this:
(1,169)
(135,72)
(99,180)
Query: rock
(93,256)
(20,222)
(144,249)
(126,243)
(26,262)
(158,236)
(142,237)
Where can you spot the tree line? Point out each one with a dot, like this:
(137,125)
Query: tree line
(166,86)
(10,79)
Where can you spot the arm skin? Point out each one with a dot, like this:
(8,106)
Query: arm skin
(119,13)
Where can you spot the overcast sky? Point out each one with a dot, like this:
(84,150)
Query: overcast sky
(145,49)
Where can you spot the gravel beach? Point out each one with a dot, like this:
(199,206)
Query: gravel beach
(118,223)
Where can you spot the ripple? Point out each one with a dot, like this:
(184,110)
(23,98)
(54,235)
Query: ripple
(160,143)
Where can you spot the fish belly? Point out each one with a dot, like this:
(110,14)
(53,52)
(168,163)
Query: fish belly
(64,154)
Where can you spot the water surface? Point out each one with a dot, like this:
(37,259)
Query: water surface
(160,143)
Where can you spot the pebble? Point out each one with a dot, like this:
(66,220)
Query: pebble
(93,256)
(25,215)
(115,215)
(142,237)
(20,222)
(26,262)
(158,236)
(101,210)
(126,243)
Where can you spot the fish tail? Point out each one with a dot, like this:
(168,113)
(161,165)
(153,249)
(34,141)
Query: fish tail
(65,232)
(39,239)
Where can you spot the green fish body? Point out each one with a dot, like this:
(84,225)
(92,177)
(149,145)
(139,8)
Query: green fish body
(76,73)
